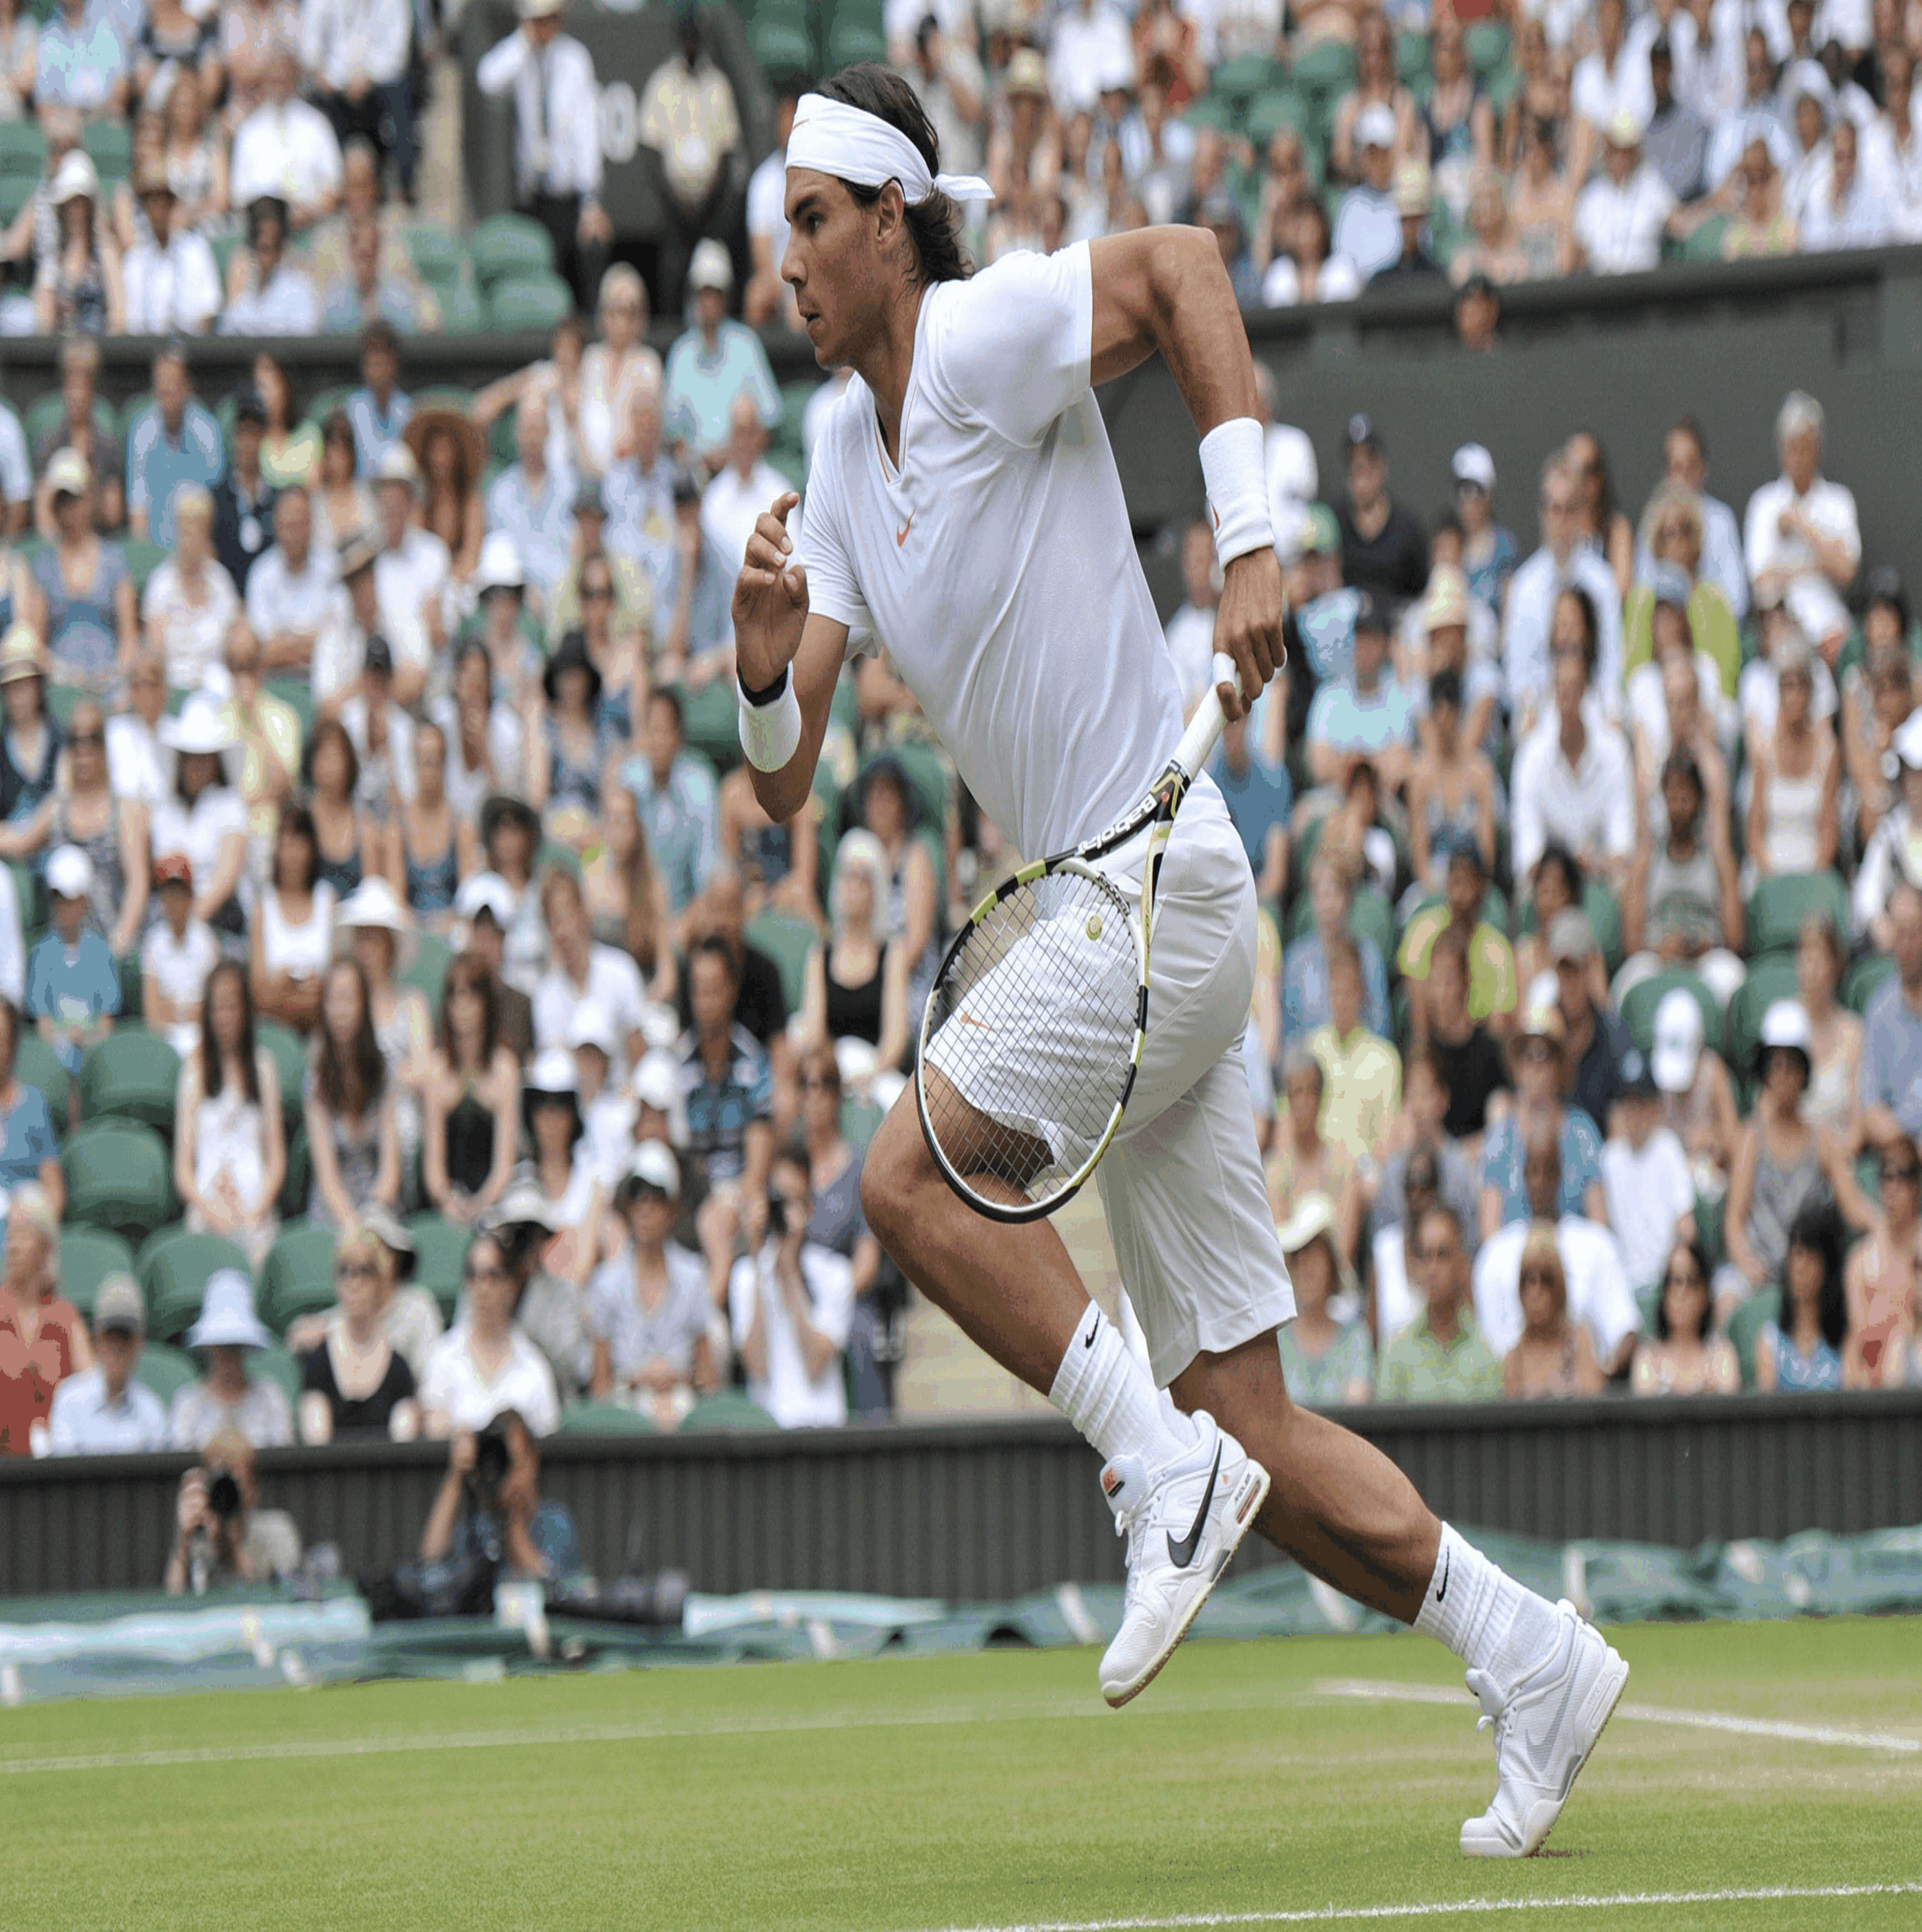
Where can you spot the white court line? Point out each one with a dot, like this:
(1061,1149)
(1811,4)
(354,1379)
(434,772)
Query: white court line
(1372,1691)
(279,1750)
(1330,1914)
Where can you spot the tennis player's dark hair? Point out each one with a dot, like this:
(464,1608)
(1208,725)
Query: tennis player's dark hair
(934,227)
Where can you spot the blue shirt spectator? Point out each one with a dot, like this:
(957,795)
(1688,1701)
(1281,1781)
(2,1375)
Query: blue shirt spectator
(704,375)
(1487,580)
(550,1529)
(161,461)
(1304,988)
(675,792)
(1892,1056)
(81,62)
(537,512)
(27,1139)
(720,1110)
(1502,1162)
(376,426)
(70,985)
(1327,625)
(1259,795)
(86,1421)
(1348,719)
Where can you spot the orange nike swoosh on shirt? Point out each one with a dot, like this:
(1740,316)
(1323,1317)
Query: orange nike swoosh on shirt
(901,535)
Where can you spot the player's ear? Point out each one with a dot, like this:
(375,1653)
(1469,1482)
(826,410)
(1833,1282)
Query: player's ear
(890,215)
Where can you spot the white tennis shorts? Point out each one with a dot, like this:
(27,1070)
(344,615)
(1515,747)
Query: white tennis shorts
(1182,1186)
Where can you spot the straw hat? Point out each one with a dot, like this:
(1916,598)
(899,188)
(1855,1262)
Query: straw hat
(200,729)
(372,906)
(423,423)
(22,654)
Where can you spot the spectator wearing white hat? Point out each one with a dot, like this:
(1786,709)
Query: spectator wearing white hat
(561,1171)
(77,285)
(1488,552)
(73,992)
(203,816)
(350,616)
(487,906)
(648,1309)
(178,953)
(1783,1165)
(29,737)
(1414,262)
(1367,231)
(376,930)
(227,1396)
(714,361)
(472,1101)
(1698,1096)
(105,1411)
(1326,1361)
(1621,215)
(607,1104)
(1891,858)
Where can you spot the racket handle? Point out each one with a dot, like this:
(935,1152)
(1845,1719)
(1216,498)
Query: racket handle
(1205,727)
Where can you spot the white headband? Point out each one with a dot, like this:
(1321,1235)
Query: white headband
(831,138)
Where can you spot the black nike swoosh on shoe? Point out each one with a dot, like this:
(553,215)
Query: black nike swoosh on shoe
(1448,1564)
(1181,1554)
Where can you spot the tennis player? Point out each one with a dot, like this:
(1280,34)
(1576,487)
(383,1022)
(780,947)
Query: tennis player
(964,514)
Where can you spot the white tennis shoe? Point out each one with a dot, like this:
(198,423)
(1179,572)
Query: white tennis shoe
(1546,1722)
(1182,1521)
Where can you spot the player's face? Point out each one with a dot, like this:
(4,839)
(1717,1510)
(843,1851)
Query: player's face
(833,263)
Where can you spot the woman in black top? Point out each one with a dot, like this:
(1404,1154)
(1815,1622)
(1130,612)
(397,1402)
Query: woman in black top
(858,982)
(353,1383)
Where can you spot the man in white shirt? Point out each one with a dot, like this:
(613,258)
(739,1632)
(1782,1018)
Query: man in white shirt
(16,465)
(103,1411)
(281,301)
(1645,1173)
(766,295)
(550,76)
(1367,232)
(409,574)
(1529,619)
(1801,530)
(287,148)
(1620,217)
(743,487)
(173,286)
(1610,80)
(1574,782)
(357,53)
(1599,1297)
(789,1308)
(351,617)
(1089,41)
(291,589)
(581,969)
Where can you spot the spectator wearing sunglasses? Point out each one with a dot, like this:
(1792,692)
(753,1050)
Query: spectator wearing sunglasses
(353,1381)
(1685,1356)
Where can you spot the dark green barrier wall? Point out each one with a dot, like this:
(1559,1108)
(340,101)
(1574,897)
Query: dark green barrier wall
(991,1510)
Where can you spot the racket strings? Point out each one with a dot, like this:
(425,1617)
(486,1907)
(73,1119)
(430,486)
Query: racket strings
(1032,1037)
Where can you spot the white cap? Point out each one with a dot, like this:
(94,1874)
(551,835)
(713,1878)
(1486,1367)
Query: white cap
(1292,471)
(76,175)
(710,266)
(655,1165)
(1786,1023)
(70,873)
(485,891)
(1473,463)
(398,465)
(500,568)
(553,1073)
(1677,1049)
(591,1024)
(1374,126)
(227,1315)
(657,1082)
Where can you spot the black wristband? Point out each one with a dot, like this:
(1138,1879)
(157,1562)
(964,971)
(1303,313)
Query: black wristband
(769,694)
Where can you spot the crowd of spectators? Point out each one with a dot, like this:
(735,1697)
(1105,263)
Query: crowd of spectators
(366,776)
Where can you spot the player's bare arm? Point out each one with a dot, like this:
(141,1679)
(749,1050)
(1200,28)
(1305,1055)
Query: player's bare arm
(775,636)
(1166,289)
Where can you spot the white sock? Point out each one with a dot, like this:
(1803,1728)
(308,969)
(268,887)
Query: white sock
(1112,1399)
(1483,1615)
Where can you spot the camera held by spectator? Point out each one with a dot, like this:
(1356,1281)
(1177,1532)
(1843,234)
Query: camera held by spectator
(222,1536)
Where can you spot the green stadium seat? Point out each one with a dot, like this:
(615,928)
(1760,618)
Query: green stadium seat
(1327,68)
(16,191)
(1866,978)
(1639,1004)
(110,143)
(22,148)
(297,1278)
(118,1177)
(144,557)
(712,723)
(435,251)
(860,1121)
(174,1265)
(530,301)
(1746,1324)
(87,1256)
(289,1058)
(1412,59)
(444,396)
(462,311)
(1243,78)
(166,1371)
(1705,244)
(604,1418)
(1488,47)
(1778,906)
(1769,980)
(855,32)
(133,1074)
(1214,111)
(788,942)
(781,44)
(323,404)
(26,896)
(427,969)
(48,409)
(1281,107)
(299,1183)
(729,1409)
(34,1066)
(506,246)
(1711,1218)
(131,411)
(276,1364)
(440,1253)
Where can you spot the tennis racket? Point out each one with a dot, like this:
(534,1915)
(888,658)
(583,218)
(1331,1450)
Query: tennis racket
(1033,1029)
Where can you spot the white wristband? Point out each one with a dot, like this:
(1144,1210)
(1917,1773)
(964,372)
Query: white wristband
(1233,465)
(770,733)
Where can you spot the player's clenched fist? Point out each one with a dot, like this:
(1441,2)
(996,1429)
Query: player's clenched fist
(1248,624)
(770,599)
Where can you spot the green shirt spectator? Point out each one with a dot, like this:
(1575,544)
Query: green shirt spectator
(1418,1365)
(1494,986)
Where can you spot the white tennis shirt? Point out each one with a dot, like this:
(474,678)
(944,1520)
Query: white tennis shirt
(996,565)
